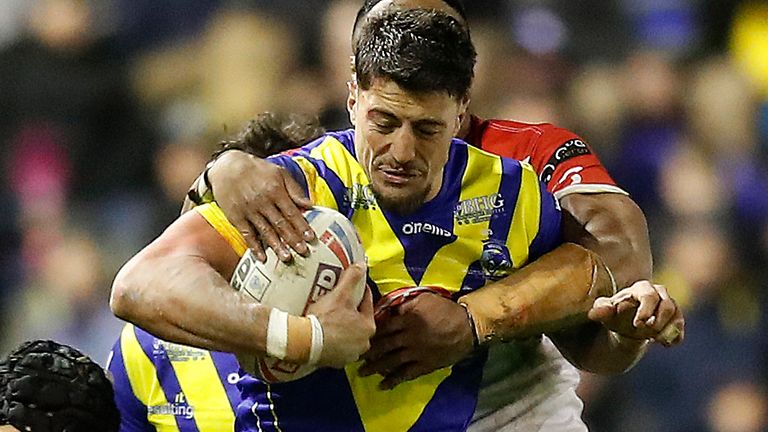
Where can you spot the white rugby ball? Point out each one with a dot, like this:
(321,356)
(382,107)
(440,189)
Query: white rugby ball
(293,286)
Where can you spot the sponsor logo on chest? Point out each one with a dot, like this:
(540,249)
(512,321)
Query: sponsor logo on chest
(414,228)
(179,408)
(479,209)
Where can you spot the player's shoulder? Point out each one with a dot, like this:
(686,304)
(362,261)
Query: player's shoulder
(341,142)
(492,162)
(520,131)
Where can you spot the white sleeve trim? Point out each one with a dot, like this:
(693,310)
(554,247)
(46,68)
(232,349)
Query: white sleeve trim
(589,189)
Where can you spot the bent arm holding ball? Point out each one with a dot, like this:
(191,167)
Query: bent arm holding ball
(177,289)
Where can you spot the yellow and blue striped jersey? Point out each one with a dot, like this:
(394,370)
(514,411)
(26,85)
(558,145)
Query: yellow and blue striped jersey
(490,217)
(166,387)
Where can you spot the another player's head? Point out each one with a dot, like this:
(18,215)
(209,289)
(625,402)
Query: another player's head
(270,133)
(374,8)
(413,72)
(49,387)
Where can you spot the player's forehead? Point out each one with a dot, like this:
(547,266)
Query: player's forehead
(439,5)
(385,98)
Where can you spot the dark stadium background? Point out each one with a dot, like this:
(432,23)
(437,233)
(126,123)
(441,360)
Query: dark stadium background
(109,109)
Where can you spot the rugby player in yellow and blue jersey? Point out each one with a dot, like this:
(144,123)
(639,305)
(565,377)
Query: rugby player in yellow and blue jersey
(162,386)
(430,210)
(448,216)
(166,387)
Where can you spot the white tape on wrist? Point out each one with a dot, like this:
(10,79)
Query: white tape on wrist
(277,334)
(317,340)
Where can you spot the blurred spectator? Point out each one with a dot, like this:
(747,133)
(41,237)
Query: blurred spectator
(67,300)
(11,18)
(653,127)
(726,319)
(723,111)
(64,92)
(73,137)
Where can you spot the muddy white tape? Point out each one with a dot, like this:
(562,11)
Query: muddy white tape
(277,334)
(317,340)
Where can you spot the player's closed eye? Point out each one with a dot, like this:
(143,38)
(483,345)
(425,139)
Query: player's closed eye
(427,132)
(384,127)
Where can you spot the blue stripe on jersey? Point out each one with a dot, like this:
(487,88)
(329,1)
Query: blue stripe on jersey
(306,148)
(511,183)
(293,168)
(334,182)
(549,235)
(259,410)
(510,190)
(347,139)
(227,366)
(301,405)
(455,398)
(169,382)
(133,413)
(438,212)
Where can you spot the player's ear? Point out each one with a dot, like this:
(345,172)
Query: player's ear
(463,113)
(352,98)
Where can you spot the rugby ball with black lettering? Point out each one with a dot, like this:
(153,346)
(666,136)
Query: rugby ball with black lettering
(292,287)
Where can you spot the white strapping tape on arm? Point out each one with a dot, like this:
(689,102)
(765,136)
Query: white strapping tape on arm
(317,340)
(277,334)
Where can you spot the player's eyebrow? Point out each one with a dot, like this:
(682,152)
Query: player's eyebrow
(429,122)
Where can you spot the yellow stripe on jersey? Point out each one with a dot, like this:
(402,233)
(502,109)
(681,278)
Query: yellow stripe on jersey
(525,222)
(215,216)
(334,154)
(477,182)
(201,385)
(319,191)
(383,249)
(393,410)
(144,383)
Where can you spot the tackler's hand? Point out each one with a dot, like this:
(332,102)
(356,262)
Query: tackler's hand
(641,311)
(263,202)
(419,335)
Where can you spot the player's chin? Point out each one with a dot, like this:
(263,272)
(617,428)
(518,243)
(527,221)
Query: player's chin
(400,200)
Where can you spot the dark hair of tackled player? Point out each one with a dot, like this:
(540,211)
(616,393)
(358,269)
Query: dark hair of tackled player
(270,133)
(444,63)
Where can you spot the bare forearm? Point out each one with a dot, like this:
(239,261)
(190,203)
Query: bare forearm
(184,300)
(614,227)
(593,348)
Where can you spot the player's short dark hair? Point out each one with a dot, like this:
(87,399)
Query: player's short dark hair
(457,5)
(270,133)
(421,50)
(49,387)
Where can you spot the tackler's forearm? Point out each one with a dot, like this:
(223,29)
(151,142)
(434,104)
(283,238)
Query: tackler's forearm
(551,293)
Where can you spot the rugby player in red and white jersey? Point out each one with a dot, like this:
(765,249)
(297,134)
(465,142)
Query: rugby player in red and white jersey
(263,203)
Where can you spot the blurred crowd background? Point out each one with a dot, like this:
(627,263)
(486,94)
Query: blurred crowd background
(110,108)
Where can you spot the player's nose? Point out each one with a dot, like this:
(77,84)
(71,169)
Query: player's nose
(403,148)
